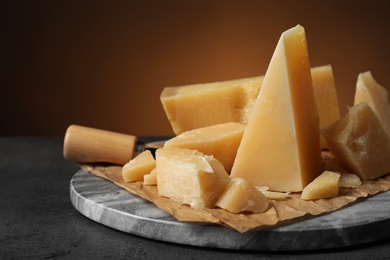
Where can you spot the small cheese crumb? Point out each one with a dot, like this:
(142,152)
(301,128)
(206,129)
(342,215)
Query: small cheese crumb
(151,178)
(349,180)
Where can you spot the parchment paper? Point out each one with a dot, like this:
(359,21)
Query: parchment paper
(280,211)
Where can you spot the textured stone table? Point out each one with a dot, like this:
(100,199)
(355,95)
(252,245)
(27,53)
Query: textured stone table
(359,223)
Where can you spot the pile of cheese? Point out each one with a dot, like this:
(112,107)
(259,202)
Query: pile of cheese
(240,143)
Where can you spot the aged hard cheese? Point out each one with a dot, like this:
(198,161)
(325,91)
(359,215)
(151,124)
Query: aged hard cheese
(135,169)
(220,140)
(190,177)
(241,195)
(360,143)
(376,96)
(349,180)
(323,187)
(151,178)
(280,147)
(199,105)
(326,97)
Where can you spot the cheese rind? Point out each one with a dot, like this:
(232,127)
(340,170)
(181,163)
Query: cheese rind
(199,105)
(280,147)
(360,143)
(190,177)
(220,141)
(140,165)
(240,196)
(368,90)
(323,187)
(326,97)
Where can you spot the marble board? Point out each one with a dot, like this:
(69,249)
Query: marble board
(104,202)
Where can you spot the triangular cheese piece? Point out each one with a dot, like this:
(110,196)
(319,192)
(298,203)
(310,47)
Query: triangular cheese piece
(280,147)
(376,96)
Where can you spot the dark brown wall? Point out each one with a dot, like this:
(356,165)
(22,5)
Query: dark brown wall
(104,63)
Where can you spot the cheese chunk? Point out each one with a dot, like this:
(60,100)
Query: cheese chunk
(280,147)
(199,105)
(326,97)
(359,142)
(220,140)
(323,187)
(376,96)
(136,168)
(190,177)
(240,196)
(151,178)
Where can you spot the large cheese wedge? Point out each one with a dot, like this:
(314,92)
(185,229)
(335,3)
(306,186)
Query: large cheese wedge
(326,97)
(136,168)
(199,105)
(323,187)
(220,140)
(359,142)
(240,196)
(190,177)
(280,147)
(376,96)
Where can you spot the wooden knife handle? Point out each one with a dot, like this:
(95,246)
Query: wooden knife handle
(87,145)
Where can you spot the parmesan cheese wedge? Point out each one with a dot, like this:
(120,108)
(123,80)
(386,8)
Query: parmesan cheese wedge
(360,143)
(376,96)
(220,141)
(240,196)
(190,177)
(136,168)
(280,147)
(323,187)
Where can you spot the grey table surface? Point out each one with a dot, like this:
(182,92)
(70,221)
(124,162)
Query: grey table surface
(38,220)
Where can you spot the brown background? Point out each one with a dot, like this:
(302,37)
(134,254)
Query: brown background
(104,63)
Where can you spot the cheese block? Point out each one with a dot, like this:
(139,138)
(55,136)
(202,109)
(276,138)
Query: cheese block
(376,96)
(136,168)
(241,196)
(151,178)
(220,140)
(324,186)
(190,177)
(280,147)
(326,97)
(360,143)
(199,105)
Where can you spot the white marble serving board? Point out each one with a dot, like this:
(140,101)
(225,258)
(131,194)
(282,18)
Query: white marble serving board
(104,202)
